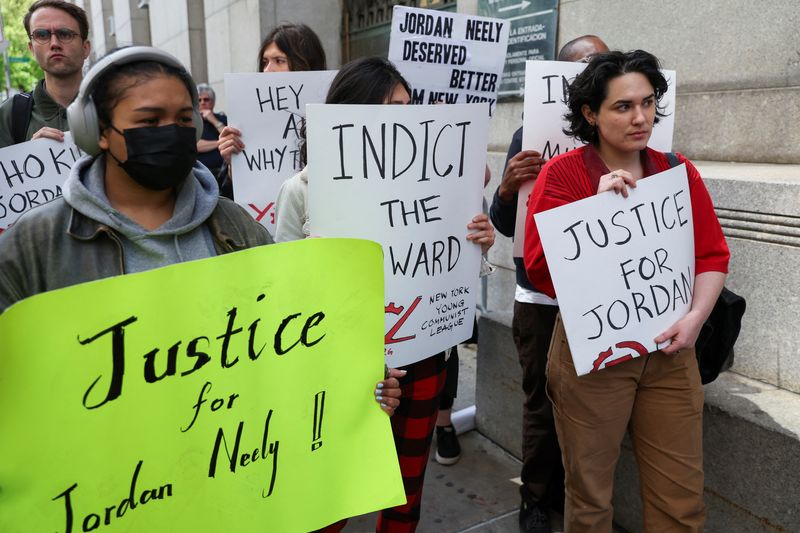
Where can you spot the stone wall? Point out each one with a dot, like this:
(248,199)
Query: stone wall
(132,24)
(233,35)
(759,209)
(738,69)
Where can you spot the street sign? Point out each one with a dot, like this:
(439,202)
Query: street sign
(532,36)
(18,59)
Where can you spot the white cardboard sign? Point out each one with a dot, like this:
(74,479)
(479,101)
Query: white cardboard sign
(411,179)
(623,269)
(268,108)
(449,57)
(546,84)
(32,173)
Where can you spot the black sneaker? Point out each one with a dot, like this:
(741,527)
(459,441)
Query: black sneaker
(448,451)
(534,519)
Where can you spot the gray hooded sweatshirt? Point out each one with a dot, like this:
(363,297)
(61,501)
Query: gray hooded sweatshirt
(183,237)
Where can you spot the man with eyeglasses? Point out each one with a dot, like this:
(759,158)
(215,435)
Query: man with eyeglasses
(58,38)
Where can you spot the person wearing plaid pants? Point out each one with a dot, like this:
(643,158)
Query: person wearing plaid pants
(413,423)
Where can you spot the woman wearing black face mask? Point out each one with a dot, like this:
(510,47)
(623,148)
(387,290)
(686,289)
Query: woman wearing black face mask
(141,201)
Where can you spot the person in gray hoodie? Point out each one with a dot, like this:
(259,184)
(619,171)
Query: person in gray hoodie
(139,200)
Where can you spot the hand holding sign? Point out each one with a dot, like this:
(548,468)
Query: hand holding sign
(521,168)
(47,132)
(684,333)
(388,391)
(230,142)
(484,234)
(618,181)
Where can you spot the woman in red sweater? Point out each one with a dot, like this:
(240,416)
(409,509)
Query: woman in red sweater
(613,106)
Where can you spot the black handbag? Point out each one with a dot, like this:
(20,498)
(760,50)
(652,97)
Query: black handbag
(715,342)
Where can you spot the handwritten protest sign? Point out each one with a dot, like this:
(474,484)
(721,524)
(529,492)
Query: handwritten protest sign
(228,394)
(449,57)
(546,87)
(623,269)
(268,109)
(33,173)
(410,178)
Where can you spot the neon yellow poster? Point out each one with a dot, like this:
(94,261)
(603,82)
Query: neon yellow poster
(229,394)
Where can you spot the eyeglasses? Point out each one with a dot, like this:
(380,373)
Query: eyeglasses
(204,99)
(43,36)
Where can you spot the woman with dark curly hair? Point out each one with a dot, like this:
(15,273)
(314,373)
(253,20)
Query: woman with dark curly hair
(613,106)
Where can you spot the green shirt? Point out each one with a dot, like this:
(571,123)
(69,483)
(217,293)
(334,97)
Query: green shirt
(45,112)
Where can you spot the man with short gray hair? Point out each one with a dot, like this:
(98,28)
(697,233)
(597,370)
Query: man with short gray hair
(207,146)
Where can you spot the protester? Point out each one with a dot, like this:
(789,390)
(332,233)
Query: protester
(207,146)
(376,81)
(291,47)
(139,200)
(58,34)
(288,47)
(613,105)
(542,474)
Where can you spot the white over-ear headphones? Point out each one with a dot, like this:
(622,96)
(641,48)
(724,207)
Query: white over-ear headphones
(82,113)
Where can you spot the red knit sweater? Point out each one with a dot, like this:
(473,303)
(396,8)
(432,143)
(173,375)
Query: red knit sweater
(573,176)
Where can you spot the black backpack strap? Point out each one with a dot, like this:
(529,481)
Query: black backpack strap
(21,108)
(673,159)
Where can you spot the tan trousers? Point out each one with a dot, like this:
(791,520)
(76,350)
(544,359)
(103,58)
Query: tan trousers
(659,399)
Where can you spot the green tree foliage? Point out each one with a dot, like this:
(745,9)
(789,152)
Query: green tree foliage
(23,75)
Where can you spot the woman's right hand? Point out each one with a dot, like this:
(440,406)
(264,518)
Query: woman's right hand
(230,142)
(618,181)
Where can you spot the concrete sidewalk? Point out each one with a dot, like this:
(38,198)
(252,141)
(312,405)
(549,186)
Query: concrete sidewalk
(478,494)
(474,495)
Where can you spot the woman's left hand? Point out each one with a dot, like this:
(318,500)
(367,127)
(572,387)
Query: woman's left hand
(484,234)
(387,392)
(683,333)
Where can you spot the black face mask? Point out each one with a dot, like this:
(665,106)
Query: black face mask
(159,157)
